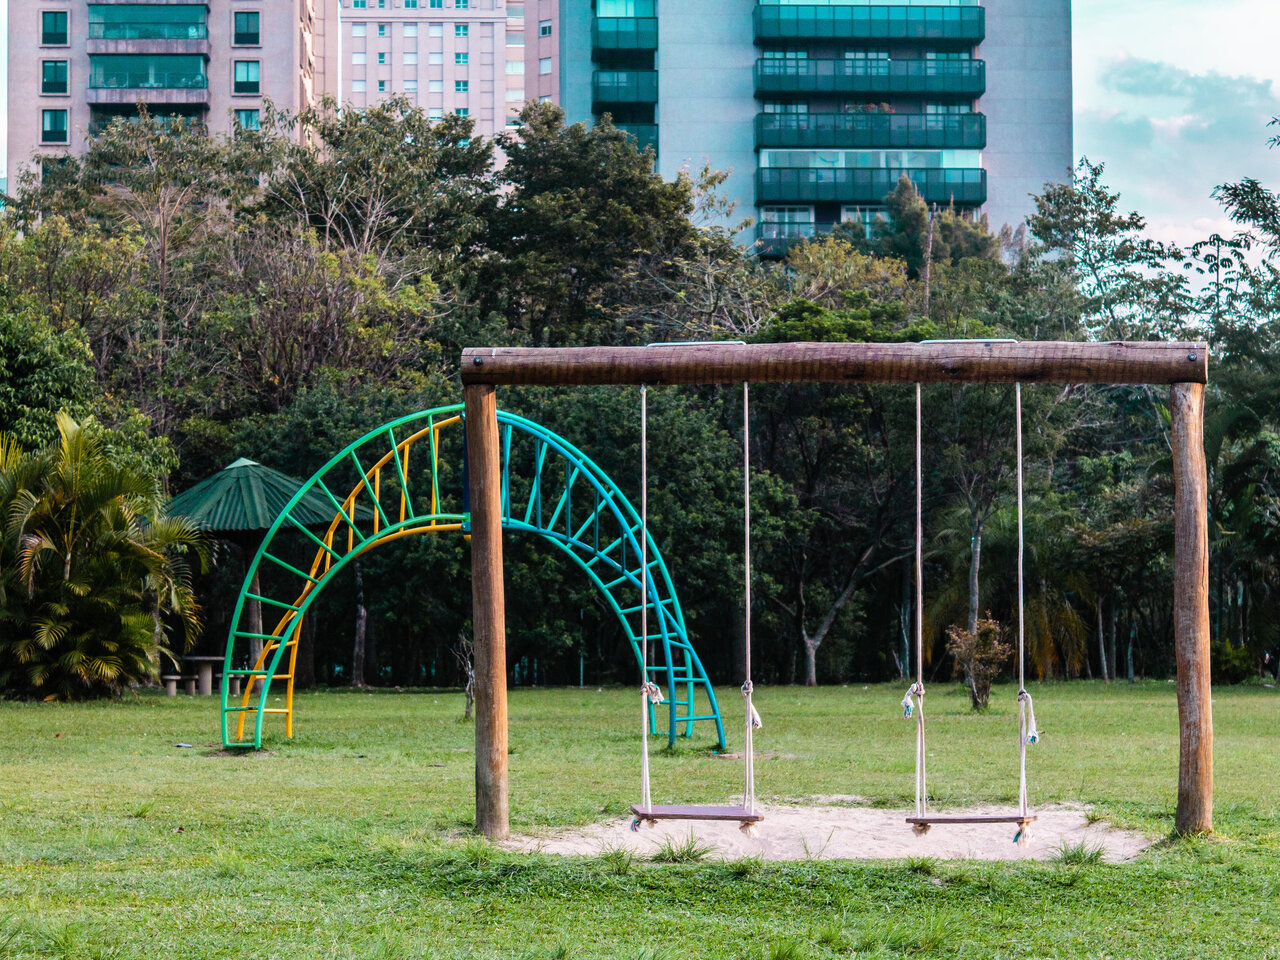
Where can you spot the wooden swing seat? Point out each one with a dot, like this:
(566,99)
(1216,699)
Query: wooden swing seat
(961,818)
(692,812)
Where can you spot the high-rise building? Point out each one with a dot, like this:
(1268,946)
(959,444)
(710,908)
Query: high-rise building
(73,66)
(478,58)
(818,107)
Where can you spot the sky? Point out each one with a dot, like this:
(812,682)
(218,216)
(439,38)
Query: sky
(1173,95)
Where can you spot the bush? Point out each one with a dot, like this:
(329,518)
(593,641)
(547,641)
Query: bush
(1228,664)
(91,571)
(980,655)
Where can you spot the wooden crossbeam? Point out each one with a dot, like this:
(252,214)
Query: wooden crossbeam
(970,361)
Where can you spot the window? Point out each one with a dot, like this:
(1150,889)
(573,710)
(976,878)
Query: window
(937,108)
(784,106)
(461,59)
(382,4)
(513,123)
(247,76)
(382,86)
(247,119)
(53,76)
(359,29)
(359,57)
(544,65)
(435,113)
(53,128)
(53,33)
(865,217)
(247,29)
(515,39)
(776,54)
(138,72)
(358,86)
(515,67)
(411,4)
(460,86)
(435,57)
(410,29)
(410,58)
(462,111)
(786,223)
(515,96)
(411,86)
(382,29)
(382,58)
(515,11)
(437,4)
(435,86)
(461,4)
(544,28)
(461,30)
(435,29)
(544,99)
(359,4)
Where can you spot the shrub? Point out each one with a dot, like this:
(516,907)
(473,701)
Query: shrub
(981,655)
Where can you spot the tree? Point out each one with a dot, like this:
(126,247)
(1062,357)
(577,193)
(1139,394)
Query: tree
(94,578)
(42,371)
(578,204)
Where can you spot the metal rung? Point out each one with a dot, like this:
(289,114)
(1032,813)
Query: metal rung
(275,709)
(248,673)
(238,709)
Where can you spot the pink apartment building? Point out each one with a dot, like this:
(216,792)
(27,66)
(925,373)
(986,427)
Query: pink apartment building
(73,65)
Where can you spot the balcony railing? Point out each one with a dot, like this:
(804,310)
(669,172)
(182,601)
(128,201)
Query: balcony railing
(964,24)
(646,134)
(625,86)
(966,78)
(964,186)
(146,80)
(964,131)
(155,30)
(624,33)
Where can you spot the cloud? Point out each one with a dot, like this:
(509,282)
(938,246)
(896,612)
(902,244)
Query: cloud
(1172,135)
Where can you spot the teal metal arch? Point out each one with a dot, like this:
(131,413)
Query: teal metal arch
(549,488)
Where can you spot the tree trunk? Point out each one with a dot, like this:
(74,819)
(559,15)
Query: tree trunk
(362,624)
(1111,637)
(1128,654)
(975,559)
(1102,646)
(810,662)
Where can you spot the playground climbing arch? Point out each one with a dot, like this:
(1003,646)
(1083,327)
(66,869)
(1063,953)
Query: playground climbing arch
(407,478)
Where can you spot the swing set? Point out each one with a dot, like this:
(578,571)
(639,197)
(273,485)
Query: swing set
(1182,366)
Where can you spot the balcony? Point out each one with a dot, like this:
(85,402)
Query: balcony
(160,79)
(964,186)
(625,86)
(624,33)
(962,25)
(960,78)
(129,29)
(646,134)
(964,131)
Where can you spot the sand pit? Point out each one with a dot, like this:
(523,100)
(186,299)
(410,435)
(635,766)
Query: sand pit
(852,833)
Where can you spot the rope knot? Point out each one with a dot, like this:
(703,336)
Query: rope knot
(917,691)
(653,692)
(1032,735)
(753,718)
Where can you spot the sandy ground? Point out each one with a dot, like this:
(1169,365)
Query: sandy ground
(849,833)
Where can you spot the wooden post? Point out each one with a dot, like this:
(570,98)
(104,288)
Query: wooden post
(488,612)
(1191,610)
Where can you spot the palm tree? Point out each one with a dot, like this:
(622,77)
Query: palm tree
(94,578)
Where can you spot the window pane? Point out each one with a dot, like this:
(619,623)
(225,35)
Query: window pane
(53,128)
(247,76)
(248,119)
(143,21)
(147,73)
(53,28)
(247,28)
(53,77)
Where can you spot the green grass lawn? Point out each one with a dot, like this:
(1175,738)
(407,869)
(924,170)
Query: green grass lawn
(352,840)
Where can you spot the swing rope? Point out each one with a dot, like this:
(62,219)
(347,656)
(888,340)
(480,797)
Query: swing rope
(752,721)
(650,692)
(917,688)
(1027,732)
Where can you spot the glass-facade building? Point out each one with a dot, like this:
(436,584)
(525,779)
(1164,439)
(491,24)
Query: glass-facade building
(818,107)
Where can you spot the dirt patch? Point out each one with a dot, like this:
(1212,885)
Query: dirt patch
(853,833)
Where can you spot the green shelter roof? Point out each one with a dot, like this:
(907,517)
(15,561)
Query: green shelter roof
(247,497)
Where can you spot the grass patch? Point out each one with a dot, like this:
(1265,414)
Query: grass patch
(1082,854)
(687,850)
(353,839)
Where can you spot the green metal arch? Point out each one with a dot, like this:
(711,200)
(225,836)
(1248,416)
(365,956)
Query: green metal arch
(608,567)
